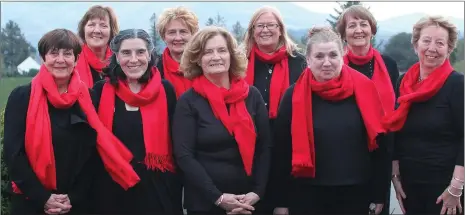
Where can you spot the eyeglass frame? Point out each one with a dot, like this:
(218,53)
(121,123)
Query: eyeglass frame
(266,25)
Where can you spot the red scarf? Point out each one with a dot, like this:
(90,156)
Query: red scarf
(38,139)
(173,75)
(411,92)
(349,83)
(238,121)
(154,111)
(279,79)
(380,78)
(88,59)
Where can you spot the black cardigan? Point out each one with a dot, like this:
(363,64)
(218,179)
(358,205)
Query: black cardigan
(74,148)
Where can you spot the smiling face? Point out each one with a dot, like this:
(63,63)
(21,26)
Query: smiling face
(266,32)
(133,58)
(216,58)
(325,61)
(97,32)
(432,47)
(177,34)
(60,63)
(358,32)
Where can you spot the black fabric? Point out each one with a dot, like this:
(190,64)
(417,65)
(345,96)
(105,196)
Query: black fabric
(157,192)
(342,156)
(96,76)
(209,156)
(430,144)
(74,149)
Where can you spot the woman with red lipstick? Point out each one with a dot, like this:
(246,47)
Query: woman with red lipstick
(96,28)
(357,26)
(175,26)
(427,168)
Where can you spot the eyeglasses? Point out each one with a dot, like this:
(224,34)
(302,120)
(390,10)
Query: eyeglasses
(270,26)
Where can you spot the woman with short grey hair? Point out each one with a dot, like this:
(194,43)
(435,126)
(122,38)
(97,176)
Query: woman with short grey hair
(137,105)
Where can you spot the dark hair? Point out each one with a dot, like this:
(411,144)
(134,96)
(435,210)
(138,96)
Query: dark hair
(101,12)
(59,39)
(113,71)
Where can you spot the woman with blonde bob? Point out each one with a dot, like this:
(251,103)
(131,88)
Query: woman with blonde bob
(221,135)
(176,27)
(96,29)
(427,170)
(333,158)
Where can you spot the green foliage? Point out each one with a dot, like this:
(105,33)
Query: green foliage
(156,38)
(4,174)
(460,66)
(218,20)
(238,31)
(400,49)
(458,54)
(14,48)
(342,6)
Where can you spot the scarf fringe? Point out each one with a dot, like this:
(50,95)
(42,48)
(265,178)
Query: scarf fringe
(161,162)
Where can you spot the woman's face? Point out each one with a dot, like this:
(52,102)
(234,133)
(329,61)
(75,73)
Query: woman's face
(216,58)
(266,31)
(432,47)
(325,61)
(97,32)
(60,63)
(177,34)
(133,58)
(358,32)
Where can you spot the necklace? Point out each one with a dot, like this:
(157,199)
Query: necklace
(270,68)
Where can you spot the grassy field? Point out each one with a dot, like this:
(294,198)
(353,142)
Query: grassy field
(7,85)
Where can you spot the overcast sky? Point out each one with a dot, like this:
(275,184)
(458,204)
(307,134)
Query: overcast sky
(386,10)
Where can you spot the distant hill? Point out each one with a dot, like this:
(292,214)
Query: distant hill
(36,18)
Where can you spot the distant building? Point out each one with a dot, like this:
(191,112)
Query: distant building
(27,65)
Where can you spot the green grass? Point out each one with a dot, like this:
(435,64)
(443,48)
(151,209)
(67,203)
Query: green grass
(7,85)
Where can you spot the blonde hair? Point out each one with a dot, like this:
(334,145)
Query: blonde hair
(357,12)
(183,14)
(101,12)
(191,58)
(438,21)
(318,35)
(284,39)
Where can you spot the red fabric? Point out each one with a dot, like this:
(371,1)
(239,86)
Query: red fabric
(412,91)
(238,122)
(380,78)
(88,59)
(154,111)
(38,138)
(279,79)
(173,75)
(349,83)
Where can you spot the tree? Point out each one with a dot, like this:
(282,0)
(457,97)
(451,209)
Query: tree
(218,20)
(401,50)
(238,31)
(339,11)
(4,172)
(156,38)
(14,47)
(458,53)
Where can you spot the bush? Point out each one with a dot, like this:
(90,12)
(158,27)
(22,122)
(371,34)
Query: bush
(5,178)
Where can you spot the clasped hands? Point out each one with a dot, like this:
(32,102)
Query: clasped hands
(57,204)
(238,204)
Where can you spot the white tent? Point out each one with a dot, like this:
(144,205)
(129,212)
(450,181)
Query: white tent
(27,65)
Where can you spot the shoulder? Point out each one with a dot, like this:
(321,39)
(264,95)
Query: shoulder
(456,78)
(297,57)
(98,86)
(189,96)
(19,97)
(388,60)
(169,89)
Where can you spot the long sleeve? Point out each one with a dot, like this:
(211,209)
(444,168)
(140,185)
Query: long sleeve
(282,153)
(184,133)
(262,156)
(456,103)
(80,192)
(381,170)
(395,147)
(17,162)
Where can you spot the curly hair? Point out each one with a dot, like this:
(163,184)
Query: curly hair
(186,16)
(438,21)
(190,60)
(323,35)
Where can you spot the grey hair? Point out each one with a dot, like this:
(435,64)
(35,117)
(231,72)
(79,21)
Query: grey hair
(115,43)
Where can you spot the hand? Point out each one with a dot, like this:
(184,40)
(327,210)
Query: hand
(239,211)
(231,201)
(250,198)
(281,211)
(57,204)
(378,208)
(450,202)
(400,194)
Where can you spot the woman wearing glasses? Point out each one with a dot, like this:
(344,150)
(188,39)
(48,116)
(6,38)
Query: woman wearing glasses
(274,65)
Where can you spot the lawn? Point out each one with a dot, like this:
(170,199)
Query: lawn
(7,85)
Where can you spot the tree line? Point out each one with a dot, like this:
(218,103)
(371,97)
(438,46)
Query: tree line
(14,48)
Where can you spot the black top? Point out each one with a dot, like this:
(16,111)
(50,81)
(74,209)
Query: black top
(160,68)
(96,76)
(430,144)
(157,192)
(209,156)
(367,69)
(262,77)
(74,147)
(341,150)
